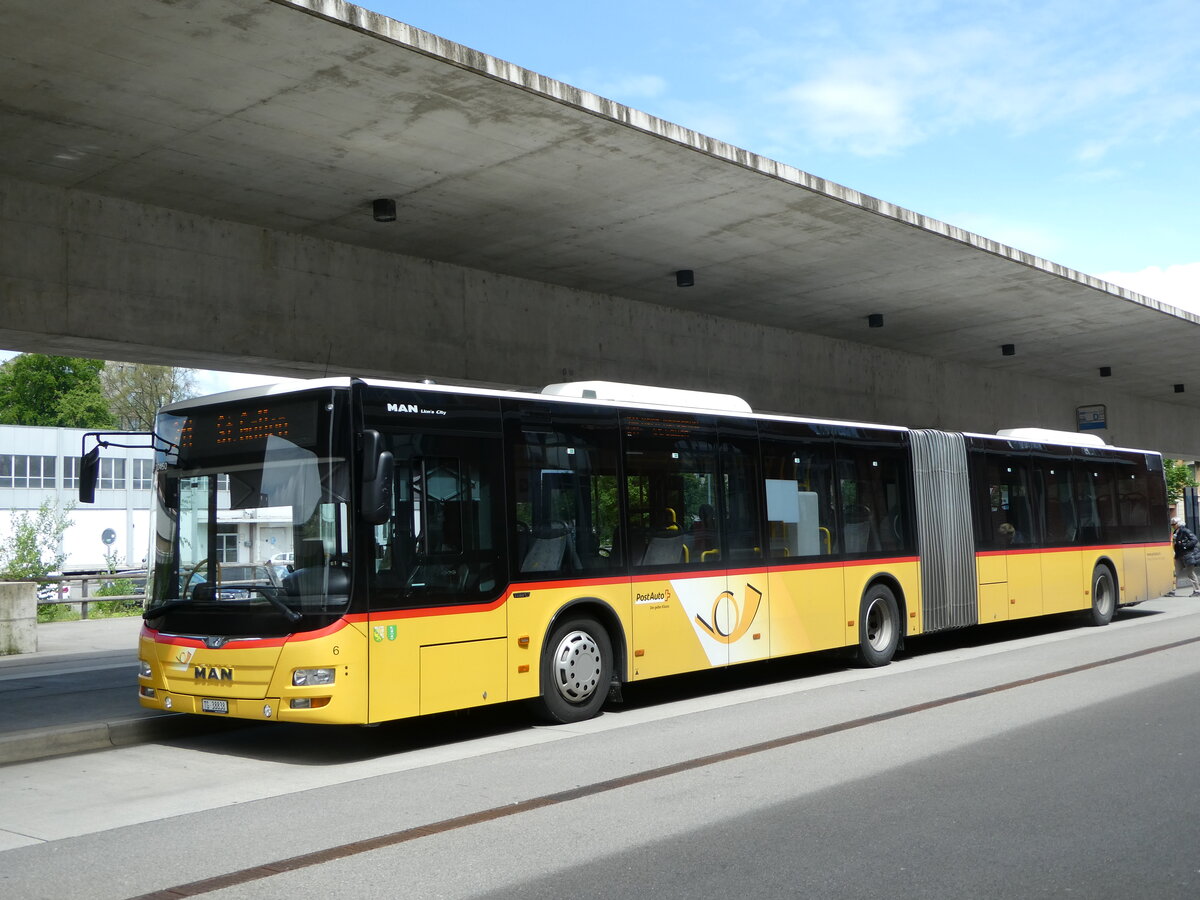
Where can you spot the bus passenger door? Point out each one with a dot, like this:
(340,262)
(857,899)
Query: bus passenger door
(746,601)
(1010,528)
(1063,579)
(671,535)
(992,569)
(805,583)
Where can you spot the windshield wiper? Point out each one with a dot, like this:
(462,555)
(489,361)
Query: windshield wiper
(286,611)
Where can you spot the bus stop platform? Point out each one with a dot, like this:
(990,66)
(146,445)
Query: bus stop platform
(78,693)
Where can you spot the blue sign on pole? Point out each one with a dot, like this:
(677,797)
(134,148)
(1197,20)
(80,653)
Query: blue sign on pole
(1091,418)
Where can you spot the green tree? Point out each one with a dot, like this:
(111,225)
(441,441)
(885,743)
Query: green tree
(33,547)
(1179,476)
(135,391)
(59,391)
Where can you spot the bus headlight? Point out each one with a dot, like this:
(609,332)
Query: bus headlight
(143,669)
(306,677)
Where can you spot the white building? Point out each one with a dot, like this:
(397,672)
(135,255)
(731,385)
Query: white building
(37,464)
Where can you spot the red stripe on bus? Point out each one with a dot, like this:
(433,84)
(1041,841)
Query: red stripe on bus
(248,643)
(1097,548)
(621,581)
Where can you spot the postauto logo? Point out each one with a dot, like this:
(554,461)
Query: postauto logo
(730,619)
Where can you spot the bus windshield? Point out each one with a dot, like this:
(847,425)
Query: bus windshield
(252,518)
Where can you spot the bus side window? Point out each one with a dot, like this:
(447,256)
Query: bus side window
(1060,524)
(1007,515)
(873,491)
(800,500)
(1096,481)
(564,480)
(739,482)
(674,493)
(444,542)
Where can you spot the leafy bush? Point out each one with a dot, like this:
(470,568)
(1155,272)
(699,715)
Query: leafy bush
(33,547)
(116,588)
(56,612)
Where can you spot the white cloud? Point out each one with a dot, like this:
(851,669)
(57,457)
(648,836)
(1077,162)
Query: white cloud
(867,117)
(1177,285)
(884,76)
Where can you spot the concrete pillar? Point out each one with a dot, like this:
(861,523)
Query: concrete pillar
(18,617)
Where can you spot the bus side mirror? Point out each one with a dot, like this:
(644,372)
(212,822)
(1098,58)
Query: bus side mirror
(89,474)
(377,470)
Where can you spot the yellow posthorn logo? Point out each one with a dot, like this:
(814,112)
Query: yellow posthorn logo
(737,618)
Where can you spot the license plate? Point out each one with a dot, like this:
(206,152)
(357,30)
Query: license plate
(214,706)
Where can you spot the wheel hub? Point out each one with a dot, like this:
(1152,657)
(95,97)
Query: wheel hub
(878,625)
(577,666)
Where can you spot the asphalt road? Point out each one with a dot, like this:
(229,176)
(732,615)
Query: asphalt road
(1057,761)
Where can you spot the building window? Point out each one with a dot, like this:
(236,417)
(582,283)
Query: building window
(227,546)
(26,471)
(143,474)
(70,472)
(112,474)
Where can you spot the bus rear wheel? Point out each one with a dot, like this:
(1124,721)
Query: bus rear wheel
(1104,596)
(878,627)
(577,666)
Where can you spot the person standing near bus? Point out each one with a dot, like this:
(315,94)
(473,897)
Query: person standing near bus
(1187,555)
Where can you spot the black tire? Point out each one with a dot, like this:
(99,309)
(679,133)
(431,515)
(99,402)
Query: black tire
(878,627)
(576,669)
(1104,596)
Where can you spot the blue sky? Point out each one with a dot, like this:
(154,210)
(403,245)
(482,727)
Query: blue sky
(1066,128)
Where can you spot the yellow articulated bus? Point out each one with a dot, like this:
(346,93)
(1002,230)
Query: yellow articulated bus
(350,551)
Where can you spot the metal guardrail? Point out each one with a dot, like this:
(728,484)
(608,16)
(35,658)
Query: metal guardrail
(76,591)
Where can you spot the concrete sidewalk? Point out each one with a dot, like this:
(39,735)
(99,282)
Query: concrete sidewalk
(86,636)
(78,692)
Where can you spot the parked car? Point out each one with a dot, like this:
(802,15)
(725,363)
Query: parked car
(53,591)
(235,581)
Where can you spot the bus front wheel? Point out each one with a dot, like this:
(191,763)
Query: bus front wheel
(1104,596)
(577,666)
(878,626)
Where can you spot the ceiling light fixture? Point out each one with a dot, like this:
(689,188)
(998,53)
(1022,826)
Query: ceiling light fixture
(384,210)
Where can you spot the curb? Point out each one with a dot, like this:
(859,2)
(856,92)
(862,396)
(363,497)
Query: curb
(44,743)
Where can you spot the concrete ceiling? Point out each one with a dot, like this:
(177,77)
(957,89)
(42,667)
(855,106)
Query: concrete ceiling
(295,115)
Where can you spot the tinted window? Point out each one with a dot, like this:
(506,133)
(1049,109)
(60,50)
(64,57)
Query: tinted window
(1096,501)
(1052,477)
(1006,503)
(445,542)
(563,464)
(873,495)
(741,503)
(673,491)
(798,478)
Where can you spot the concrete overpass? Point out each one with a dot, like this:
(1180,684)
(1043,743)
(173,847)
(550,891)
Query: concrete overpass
(191,183)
